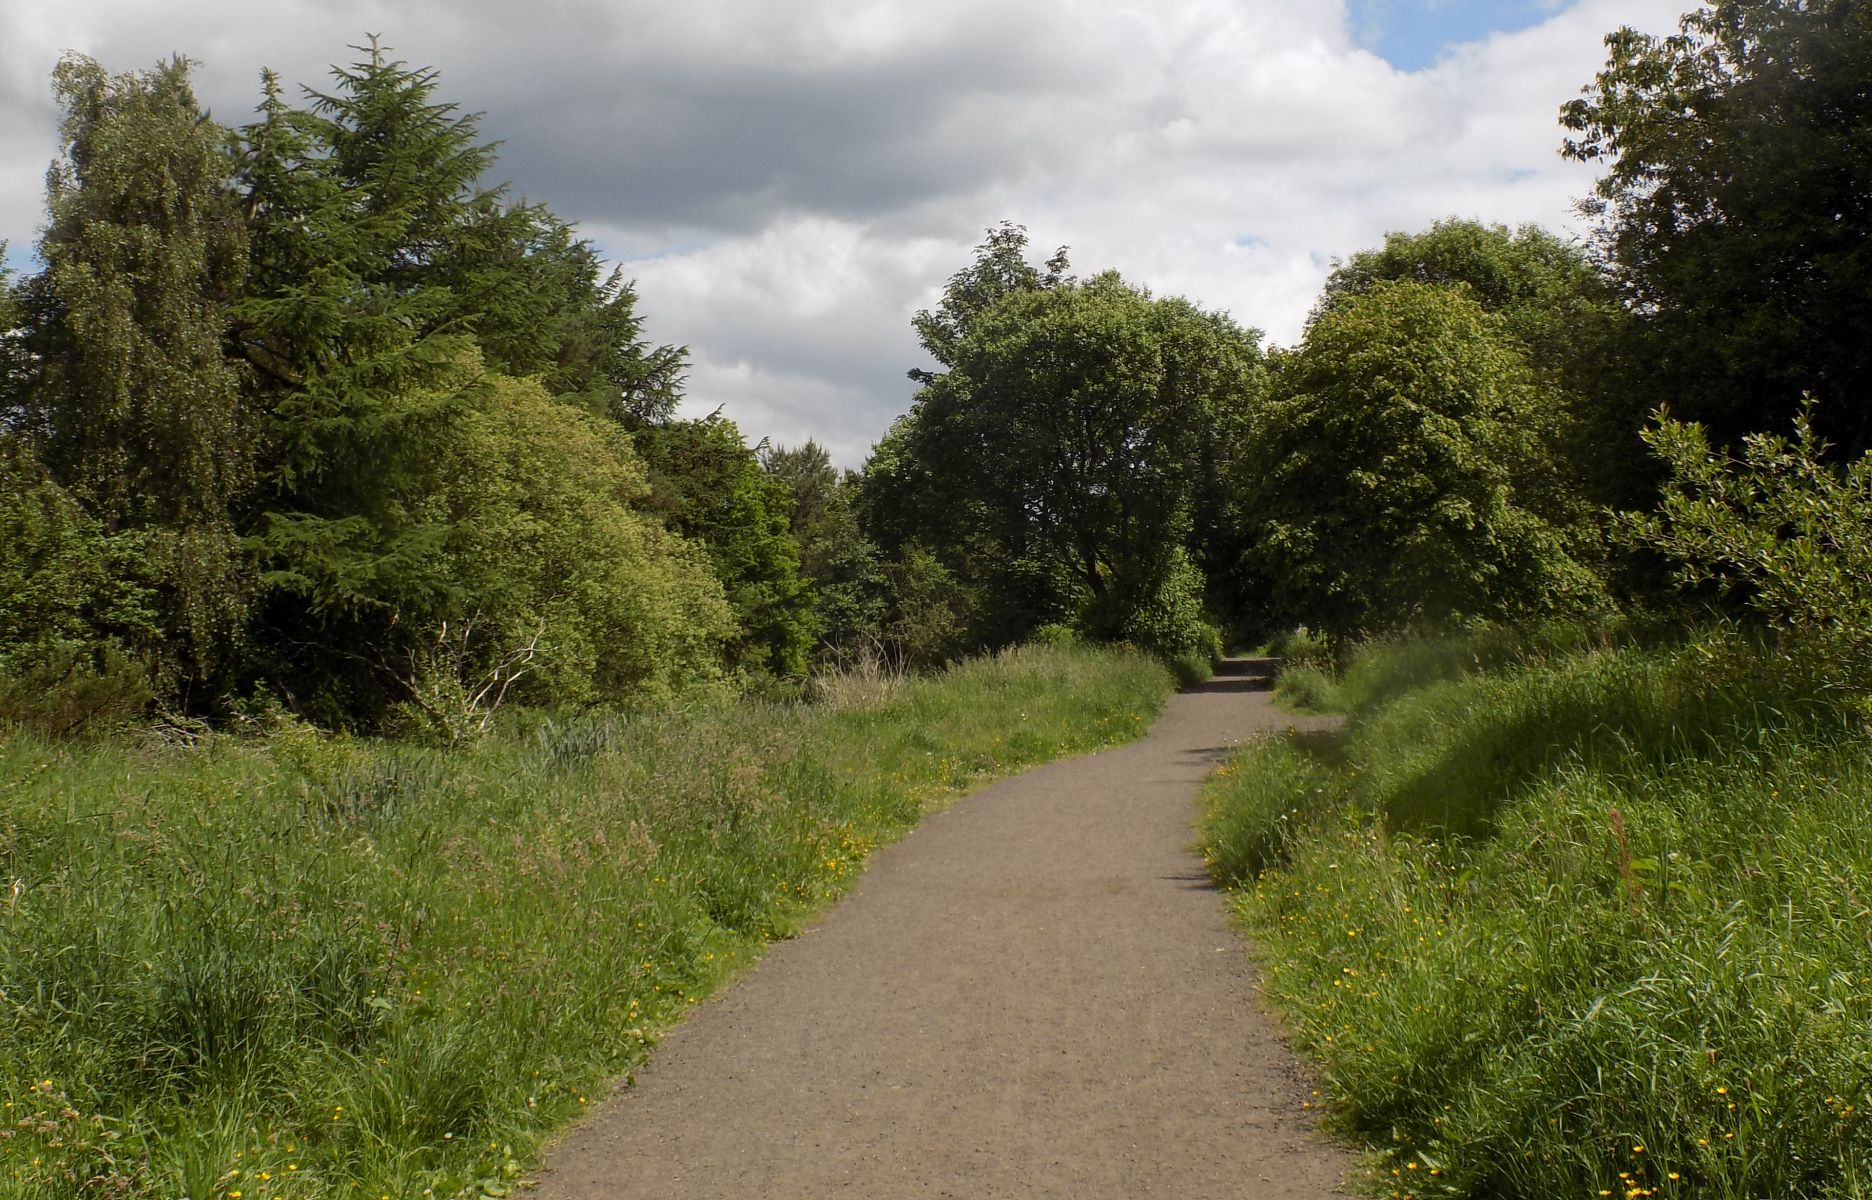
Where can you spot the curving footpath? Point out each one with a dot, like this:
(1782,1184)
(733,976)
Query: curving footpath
(1034,994)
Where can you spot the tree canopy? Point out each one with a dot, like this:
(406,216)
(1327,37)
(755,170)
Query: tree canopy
(1068,437)
(315,409)
(1564,313)
(1407,474)
(312,408)
(1734,212)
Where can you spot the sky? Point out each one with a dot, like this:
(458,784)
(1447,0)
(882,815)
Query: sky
(788,181)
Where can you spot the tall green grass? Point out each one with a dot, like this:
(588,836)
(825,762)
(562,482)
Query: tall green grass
(1312,681)
(296,966)
(1594,924)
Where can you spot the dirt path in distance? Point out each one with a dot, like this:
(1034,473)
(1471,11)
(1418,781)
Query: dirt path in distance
(1034,994)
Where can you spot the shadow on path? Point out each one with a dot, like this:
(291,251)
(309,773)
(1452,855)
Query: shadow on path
(1236,675)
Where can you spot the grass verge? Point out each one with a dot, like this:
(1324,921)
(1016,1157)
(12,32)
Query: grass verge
(1591,924)
(298,966)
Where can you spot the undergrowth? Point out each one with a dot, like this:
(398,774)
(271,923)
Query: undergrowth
(298,966)
(1586,923)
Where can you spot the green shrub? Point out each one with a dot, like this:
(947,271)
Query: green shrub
(1192,669)
(1298,645)
(1163,614)
(71,602)
(1781,528)
(569,595)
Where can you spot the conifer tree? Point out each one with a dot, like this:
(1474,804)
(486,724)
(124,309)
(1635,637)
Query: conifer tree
(548,310)
(390,285)
(361,359)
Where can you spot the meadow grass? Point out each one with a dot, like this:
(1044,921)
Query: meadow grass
(1589,923)
(290,966)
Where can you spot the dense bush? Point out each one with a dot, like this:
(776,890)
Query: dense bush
(561,567)
(71,608)
(1781,529)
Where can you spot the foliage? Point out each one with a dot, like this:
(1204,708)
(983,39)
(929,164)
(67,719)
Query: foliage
(1000,270)
(393,298)
(912,503)
(15,362)
(354,336)
(846,570)
(273,357)
(127,396)
(1544,289)
(72,601)
(1782,527)
(1563,311)
(927,622)
(1169,620)
(378,969)
(553,554)
(62,578)
(1733,209)
(1059,455)
(1408,476)
(1642,969)
(708,485)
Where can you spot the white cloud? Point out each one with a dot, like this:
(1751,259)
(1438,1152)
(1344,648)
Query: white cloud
(788,183)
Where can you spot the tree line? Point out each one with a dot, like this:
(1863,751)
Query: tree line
(1478,425)
(306,411)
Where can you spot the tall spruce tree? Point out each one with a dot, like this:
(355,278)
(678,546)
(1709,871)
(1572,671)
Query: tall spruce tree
(552,313)
(362,355)
(126,389)
(390,286)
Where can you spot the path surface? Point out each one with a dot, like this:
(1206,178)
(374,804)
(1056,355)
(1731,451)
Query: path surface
(1034,994)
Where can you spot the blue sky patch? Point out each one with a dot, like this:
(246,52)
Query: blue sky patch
(20,259)
(1409,34)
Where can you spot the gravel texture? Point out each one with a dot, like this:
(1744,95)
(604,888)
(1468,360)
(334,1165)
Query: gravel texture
(1034,994)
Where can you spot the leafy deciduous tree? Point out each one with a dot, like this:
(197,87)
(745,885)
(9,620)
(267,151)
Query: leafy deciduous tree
(1405,458)
(127,394)
(1736,208)
(1063,447)
(1566,316)
(709,486)
(549,551)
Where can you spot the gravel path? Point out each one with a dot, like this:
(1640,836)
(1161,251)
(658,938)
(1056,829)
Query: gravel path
(1033,994)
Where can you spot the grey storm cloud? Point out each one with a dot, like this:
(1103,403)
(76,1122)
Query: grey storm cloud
(627,114)
(690,152)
